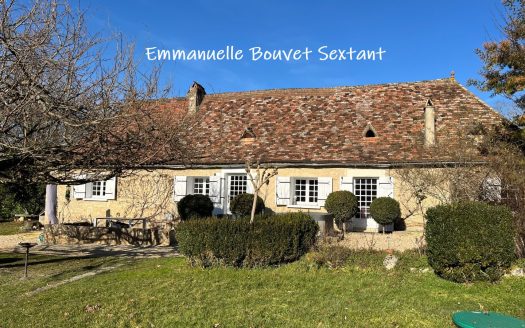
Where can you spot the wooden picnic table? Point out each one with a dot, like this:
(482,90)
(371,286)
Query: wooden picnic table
(130,222)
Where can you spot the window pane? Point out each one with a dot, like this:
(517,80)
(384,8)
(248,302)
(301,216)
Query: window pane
(238,185)
(99,188)
(366,192)
(306,191)
(201,186)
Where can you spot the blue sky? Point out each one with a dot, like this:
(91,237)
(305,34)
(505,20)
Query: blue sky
(423,39)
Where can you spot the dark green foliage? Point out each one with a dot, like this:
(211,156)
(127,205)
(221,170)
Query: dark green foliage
(20,199)
(195,206)
(385,210)
(269,241)
(343,205)
(241,205)
(470,241)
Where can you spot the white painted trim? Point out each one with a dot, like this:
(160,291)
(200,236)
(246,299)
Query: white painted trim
(233,171)
(95,199)
(312,207)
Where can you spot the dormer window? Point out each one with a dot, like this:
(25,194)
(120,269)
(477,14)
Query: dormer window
(248,135)
(369,131)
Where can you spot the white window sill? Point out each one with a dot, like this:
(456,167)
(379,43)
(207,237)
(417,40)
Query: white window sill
(95,199)
(311,207)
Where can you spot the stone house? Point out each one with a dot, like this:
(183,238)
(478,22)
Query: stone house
(355,138)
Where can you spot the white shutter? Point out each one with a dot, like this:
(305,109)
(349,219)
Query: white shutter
(282,190)
(324,189)
(347,183)
(89,190)
(249,184)
(79,191)
(111,188)
(222,193)
(215,189)
(180,187)
(385,187)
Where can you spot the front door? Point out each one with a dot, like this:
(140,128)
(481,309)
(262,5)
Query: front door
(237,184)
(365,189)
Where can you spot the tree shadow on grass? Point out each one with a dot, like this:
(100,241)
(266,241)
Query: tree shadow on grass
(13,262)
(9,260)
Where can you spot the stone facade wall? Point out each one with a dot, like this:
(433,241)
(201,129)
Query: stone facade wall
(142,202)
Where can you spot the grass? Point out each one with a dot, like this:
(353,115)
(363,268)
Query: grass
(10,227)
(168,293)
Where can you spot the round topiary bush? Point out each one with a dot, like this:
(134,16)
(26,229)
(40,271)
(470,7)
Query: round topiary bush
(343,205)
(470,241)
(241,205)
(195,206)
(385,210)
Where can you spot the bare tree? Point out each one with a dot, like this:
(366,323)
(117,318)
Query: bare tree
(263,174)
(492,171)
(147,195)
(67,106)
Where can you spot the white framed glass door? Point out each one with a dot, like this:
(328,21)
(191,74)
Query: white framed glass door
(237,184)
(365,189)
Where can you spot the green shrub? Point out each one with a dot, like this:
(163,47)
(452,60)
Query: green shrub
(241,205)
(343,205)
(469,241)
(195,206)
(385,210)
(278,239)
(330,256)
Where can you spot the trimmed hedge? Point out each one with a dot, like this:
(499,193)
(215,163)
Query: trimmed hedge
(470,241)
(343,205)
(385,210)
(268,241)
(194,207)
(241,205)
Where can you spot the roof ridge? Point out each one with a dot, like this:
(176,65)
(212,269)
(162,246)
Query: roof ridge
(228,93)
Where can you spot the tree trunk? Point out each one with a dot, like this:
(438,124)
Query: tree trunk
(51,204)
(254,205)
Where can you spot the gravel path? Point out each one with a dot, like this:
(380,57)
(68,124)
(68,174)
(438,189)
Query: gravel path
(10,242)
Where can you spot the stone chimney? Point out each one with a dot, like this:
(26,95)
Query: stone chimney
(430,124)
(195,97)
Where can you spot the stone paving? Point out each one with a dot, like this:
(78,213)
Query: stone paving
(10,243)
(398,240)
(95,250)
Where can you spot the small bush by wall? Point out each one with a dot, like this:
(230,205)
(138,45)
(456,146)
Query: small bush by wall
(343,205)
(194,206)
(385,210)
(268,241)
(241,205)
(469,241)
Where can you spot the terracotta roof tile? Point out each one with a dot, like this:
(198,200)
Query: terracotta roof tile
(327,125)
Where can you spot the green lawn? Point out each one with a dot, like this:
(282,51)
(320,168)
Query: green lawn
(168,293)
(10,227)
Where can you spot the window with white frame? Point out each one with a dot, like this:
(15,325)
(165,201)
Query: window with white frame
(98,189)
(365,190)
(201,186)
(237,185)
(306,191)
